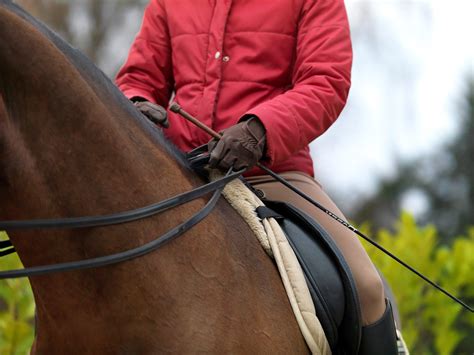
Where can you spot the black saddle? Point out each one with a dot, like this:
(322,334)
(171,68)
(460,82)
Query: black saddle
(329,278)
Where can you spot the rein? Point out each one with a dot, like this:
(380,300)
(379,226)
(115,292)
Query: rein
(122,217)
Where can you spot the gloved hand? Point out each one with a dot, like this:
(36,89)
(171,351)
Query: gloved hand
(241,146)
(155,113)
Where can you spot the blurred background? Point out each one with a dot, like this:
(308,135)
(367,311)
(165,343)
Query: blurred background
(405,141)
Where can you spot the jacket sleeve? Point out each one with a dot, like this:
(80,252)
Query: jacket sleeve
(148,71)
(320,82)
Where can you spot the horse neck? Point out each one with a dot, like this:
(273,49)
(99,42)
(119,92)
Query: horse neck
(66,151)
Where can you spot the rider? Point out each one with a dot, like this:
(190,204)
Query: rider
(272,76)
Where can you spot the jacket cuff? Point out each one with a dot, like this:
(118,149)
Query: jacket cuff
(279,147)
(131,93)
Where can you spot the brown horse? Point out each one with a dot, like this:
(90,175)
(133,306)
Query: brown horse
(71,145)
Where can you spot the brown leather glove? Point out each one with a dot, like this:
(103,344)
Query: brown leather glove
(155,113)
(241,146)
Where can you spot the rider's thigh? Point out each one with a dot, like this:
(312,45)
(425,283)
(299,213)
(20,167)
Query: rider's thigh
(368,282)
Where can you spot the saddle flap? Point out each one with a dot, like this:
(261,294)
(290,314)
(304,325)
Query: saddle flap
(329,278)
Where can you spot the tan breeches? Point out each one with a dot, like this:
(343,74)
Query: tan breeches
(368,282)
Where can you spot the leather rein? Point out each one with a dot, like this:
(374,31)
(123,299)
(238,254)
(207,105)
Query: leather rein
(215,187)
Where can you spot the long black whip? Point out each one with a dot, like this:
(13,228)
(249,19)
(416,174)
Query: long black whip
(176,108)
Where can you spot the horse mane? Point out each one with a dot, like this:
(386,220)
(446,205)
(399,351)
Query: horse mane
(101,85)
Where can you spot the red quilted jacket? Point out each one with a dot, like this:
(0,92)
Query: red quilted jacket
(286,61)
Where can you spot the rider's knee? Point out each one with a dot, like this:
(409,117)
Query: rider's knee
(371,291)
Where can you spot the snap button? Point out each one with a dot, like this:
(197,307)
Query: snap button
(218,55)
(225,59)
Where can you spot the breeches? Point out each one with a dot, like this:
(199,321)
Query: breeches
(368,282)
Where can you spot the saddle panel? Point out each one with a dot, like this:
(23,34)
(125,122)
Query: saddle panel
(329,278)
(322,277)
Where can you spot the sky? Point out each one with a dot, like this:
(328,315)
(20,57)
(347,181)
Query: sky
(411,59)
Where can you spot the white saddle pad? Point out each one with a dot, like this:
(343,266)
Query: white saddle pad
(274,241)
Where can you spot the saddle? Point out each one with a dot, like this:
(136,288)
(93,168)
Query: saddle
(328,276)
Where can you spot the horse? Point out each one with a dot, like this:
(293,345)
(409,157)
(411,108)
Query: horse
(72,145)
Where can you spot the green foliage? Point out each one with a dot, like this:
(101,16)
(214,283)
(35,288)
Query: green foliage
(16,310)
(432,323)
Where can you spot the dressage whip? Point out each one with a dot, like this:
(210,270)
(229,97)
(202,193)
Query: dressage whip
(176,108)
